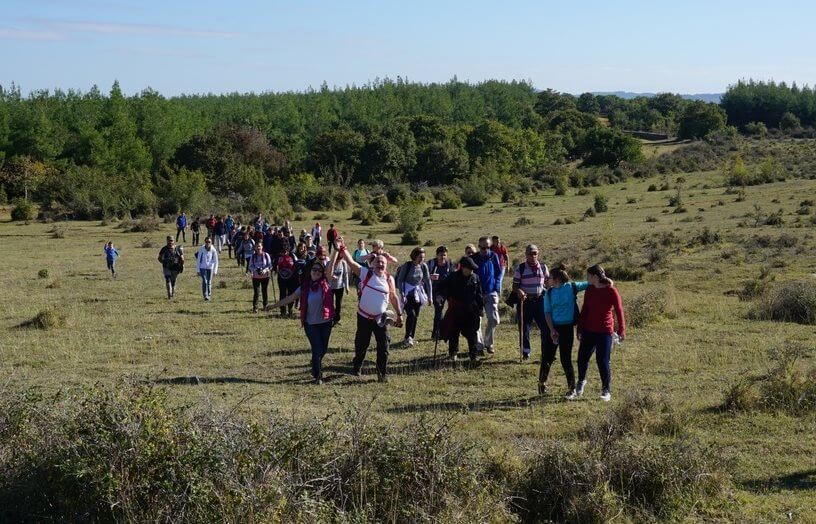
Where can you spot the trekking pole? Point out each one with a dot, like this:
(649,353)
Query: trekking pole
(521,330)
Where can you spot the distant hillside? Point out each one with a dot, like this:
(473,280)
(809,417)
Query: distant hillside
(705,97)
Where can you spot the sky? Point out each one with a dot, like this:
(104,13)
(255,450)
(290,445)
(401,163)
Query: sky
(203,46)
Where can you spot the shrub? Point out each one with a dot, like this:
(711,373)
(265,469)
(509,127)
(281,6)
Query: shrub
(651,219)
(449,199)
(590,212)
(410,238)
(48,318)
(43,273)
(147,224)
(523,221)
(640,413)
(582,191)
(54,284)
(146,243)
(651,188)
(787,302)
(646,307)
(22,211)
(601,205)
(368,216)
(474,192)
(631,200)
(624,272)
(410,215)
(57,232)
(706,237)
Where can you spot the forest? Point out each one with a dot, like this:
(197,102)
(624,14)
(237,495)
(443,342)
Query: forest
(92,155)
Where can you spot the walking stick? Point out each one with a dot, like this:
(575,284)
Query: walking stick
(521,330)
(274,291)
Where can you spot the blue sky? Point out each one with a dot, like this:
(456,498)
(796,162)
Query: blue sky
(189,46)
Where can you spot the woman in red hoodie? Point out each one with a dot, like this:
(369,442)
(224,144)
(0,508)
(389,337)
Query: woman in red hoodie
(316,311)
(596,326)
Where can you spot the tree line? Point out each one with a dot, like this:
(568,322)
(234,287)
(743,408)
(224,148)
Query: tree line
(90,154)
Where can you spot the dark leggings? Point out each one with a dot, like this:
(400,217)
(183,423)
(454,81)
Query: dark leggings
(338,302)
(411,316)
(602,344)
(566,338)
(262,285)
(287,287)
(318,335)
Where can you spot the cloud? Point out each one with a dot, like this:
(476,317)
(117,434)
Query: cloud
(23,34)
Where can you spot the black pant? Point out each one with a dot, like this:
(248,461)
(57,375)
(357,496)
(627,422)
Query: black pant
(229,249)
(240,258)
(534,311)
(287,287)
(566,338)
(196,236)
(467,328)
(411,315)
(365,328)
(437,319)
(338,302)
(181,230)
(260,284)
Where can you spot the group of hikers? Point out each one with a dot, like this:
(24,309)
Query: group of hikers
(317,274)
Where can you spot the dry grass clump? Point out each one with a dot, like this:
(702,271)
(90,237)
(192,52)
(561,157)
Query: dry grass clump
(644,308)
(48,318)
(787,302)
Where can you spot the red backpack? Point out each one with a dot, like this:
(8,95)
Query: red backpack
(286,266)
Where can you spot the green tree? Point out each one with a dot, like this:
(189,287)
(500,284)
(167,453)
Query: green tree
(605,146)
(700,119)
(587,103)
(336,155)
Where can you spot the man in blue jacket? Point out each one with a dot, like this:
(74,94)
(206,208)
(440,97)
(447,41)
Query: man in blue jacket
(490,274)
(181,227)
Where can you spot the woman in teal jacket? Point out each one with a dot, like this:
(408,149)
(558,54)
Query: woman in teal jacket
(561,312)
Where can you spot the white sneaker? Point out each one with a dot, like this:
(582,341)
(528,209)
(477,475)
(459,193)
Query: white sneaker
(409,342)
(580,389)
(606,396)
(571,395)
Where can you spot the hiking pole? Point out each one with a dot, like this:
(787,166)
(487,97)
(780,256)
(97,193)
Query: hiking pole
(521,330)
(274,291)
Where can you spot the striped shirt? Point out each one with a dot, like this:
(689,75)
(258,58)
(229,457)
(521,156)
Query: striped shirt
(531,279)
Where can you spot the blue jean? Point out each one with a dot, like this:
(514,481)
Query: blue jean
(534,311)
(206,282)
(602,344)
(318,335)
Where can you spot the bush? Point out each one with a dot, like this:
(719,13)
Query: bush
(410,238)
(644,308)
(590,212)
(640,413)
(43,273)
(145,225)
(624,272)
(601,205)
(787,386)
(788,302)
(449,199)
(57,232)
(474,192)
(48,318)
(127,454)
(22,211)
(523,221)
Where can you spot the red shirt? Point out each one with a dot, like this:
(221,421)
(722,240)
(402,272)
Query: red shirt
(502,252)
(596,315)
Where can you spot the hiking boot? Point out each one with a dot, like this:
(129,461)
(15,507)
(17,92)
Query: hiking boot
(570,395)
(254,310)
(579,390)
(408,342)
(526,357)
(606,396)
(490,350)
(318,382)
(453,357)
(357,372)
(382,378)
(542,388)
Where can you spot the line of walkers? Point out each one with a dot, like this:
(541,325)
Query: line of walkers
(472,289)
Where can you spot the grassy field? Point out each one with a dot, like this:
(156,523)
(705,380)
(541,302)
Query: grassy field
(700,344)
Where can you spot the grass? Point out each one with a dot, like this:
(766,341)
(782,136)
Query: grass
(218,353)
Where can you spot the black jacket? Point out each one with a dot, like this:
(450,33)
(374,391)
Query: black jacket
(462,293)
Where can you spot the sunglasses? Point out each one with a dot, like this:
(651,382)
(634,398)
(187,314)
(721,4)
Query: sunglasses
(317,270)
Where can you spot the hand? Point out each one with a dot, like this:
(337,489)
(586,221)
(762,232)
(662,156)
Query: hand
(620,337)
(578,335)
(521,294)
(554,337)
(434,277)
(398,322)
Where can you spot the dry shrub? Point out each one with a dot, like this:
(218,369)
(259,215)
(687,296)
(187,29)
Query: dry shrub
(644,308)
(640,413)
(787,302)
(145,225)
(48,318)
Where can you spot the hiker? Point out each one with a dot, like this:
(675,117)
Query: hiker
(331,236)
(231,234)
(207,267)
(269,240)
(499,248)
(316,312)
(181,226)
(339,283)
(229,223)
(244,250)
(596,329)
(288,234)
(317,231)
(561,313)
(220,231)
(288,277)
(111,254)
(440,267)
(490,274)
(414,285)
(195,228)
(311,248)
(378,248)
(171,258)
(211,225)
(528,286)
(260,267)
(463,293)
(361,253)
(302,237)
(377,290)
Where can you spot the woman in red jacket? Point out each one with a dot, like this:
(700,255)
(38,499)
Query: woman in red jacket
(596,326)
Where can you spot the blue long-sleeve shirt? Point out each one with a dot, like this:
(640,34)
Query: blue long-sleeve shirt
(111,254)
(490,272)
(560,302)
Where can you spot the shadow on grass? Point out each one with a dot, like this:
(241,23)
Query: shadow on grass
(196,381)
(799,481)
(478,405)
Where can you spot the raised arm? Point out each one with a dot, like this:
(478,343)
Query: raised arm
(343,252)
(286,301)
